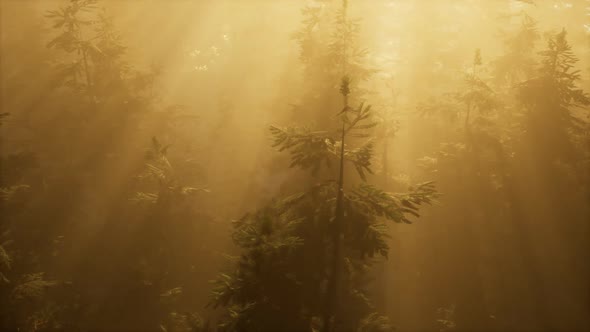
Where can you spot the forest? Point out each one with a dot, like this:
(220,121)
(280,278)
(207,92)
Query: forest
(295,165)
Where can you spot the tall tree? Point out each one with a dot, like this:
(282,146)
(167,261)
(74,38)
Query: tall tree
(306,256)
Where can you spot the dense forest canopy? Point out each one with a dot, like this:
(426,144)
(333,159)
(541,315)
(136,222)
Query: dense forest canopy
(321,165)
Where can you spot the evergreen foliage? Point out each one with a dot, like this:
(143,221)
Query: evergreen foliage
(289,245)
(118,179)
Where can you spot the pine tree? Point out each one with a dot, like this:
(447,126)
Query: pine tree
(305,256)
(550,100)
(329,47)
(325,229)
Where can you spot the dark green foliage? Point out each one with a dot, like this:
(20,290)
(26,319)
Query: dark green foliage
(283,264)
(330,48)
(88,140)
(158,170)
(107,222)
(558,74)
(32,287)
(551,98)
(303,252)
(498,168)
(392,206)
(308,149)
(283,277)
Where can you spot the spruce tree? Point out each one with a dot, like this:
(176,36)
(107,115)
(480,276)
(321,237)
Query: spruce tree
(305,257)
(552,100)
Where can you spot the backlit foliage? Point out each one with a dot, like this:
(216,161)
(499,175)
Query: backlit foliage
(426,165)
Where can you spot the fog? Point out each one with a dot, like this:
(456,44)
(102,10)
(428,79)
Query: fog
(325,165)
